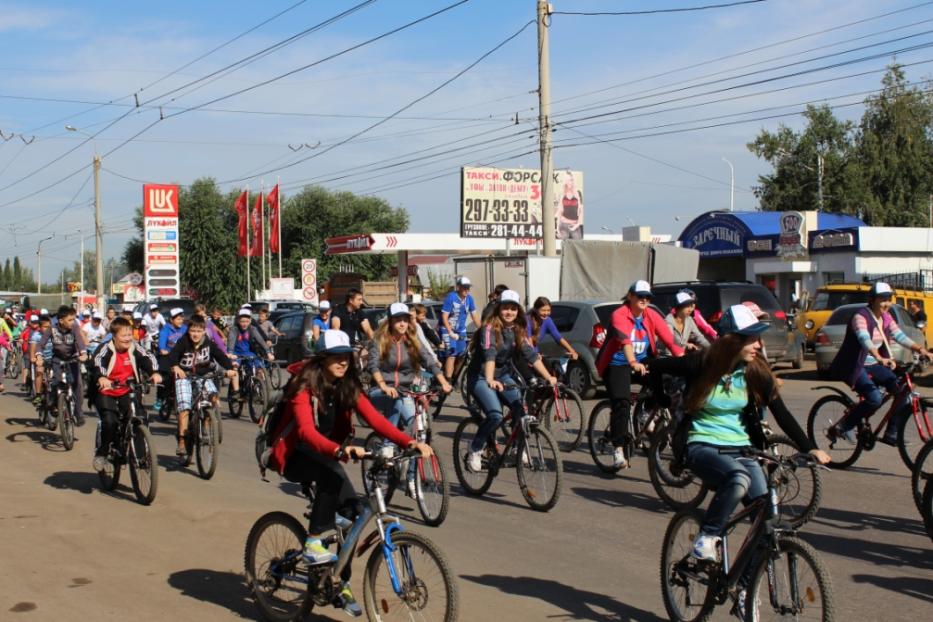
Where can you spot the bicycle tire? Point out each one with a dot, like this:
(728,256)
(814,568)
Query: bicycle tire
(921,473)
(473,483)
(800,488)
(564,418)
(433,490)
(927,507)
(258,397)
(679,492)
(419,590)
(469,402)
(842,453)
(67,423)
(259,579)
(386,479)
(206,447)
(215,415)
(765,591)
(110,476)
(597,434)
(142,466)
(51,418)
(910,440)
(676,548)
(233,406)
(540,480)
(275,374)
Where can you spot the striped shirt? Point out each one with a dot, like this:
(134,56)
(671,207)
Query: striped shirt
(877,339)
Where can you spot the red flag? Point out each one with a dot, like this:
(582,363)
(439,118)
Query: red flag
(255,247)
(240,206)
(273,200)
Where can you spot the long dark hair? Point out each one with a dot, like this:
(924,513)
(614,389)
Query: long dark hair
(535,317)
(311,378)
(721,359)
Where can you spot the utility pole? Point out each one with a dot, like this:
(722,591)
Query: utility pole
(99,247)
(544,126)
(731,185)
(819,179)
(39,263)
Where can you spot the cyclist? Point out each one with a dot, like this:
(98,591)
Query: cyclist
(458,307)
(217,317)
(427,336)
(116,362)
(153,323)
(349,318)
(193,355)
(320,398)
(94,332)
(170,333)
(321,322)
(708,331)
(32,327)
(40,354)
(109,316)
(683,327)
(139,331)
(212,331)
(493,300)
(540,324)
(729,384)
(631,342)
(68,348)
(245,340)
(864,360)
(499,342)
(267,327)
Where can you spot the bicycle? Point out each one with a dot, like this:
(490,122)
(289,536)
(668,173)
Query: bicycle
(458,380)
(133,447)
(14,361)
(254,389)
(427,479)
(784,573)
(406,577)
(62,395)
(537,458)
(201,437)
(828,413)
(641,426)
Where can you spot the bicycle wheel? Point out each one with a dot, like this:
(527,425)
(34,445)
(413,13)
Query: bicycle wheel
(564,419)
(679,491)
(927,507)
(144,472)
(51,418)
(276,577)
(110,476)
(258,397)
(539,467)
(799,487)
(276,376)
(468,400)
(386,479)
(822,423)
(428,585)
(66,414)
(206,448)
(473,482)
(910,437)
(790,583)
(215,415)
(432,490)
(685,586)
(597,434)
(922,471)
(234,406)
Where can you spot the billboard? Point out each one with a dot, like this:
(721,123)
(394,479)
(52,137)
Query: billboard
(506,203)
(160,241)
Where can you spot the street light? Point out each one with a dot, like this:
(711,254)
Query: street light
(39,263)
(99,239)
(731,185)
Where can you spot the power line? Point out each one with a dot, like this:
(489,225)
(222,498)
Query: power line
(655,11)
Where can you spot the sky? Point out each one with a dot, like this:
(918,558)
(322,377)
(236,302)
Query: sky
(647,84)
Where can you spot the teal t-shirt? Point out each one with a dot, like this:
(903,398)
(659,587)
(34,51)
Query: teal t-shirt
(719,422)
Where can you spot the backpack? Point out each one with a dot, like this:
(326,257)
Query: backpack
(266,437)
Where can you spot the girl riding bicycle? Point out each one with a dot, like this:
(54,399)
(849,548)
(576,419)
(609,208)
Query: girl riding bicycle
(680,320)
(729,384)
(312,440)
(498,344)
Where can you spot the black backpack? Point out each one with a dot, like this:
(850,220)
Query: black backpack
(266,436)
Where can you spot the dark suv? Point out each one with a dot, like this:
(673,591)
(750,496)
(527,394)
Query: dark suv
(782,342)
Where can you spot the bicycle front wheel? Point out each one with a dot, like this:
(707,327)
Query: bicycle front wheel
(66,414)
(685,586)
(823,431)
(275,574)
(384,479)
(258,397)
(564,418)
(791,584)
(206,447)
(432,490)
(922,471)
(799,488)
(428,590)
(540,470)
(474,482)
(234,402)
(597,434)
(144,472)
(913,431)
(926,507)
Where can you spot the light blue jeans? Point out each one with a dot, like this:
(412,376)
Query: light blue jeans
(491,402)
(399,410)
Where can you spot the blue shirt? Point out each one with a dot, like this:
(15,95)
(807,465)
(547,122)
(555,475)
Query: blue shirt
(321,323)
(640,344)
(242,345)
(547,328)
(169,335)
(459,310)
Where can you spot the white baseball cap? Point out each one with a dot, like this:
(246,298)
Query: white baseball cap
(640,288)
(97,316)
(880,290)
(246,305)
(176,312)
(464,282)
(398,308)
(153,307)
(510,295)
(334,342)
(244,311)
(740,319)
(33,318)
(136,315)
(43,311)
(684,298)
(324,306)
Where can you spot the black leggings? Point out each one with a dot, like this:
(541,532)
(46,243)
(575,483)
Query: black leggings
(618,381)
(334,492)
(110,410)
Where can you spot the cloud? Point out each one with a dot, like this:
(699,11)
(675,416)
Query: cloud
(29,19)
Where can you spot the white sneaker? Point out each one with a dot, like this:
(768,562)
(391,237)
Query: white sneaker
(618,458)
(474,461)
(100,463)
(706,548)
(525,459)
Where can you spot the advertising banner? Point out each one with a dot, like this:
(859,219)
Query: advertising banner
(160,224)
(506,203)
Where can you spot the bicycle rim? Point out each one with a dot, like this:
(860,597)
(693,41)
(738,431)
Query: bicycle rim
(539,467)
(433,490)
(428,587)
(143,470)
(206,446)
(275,574)
(921,473)
(235,407)
(597,432)
(473,482)
(790,585)
(679,492)
(564,419)
(257,398)
(799,487)
(685,587)
(385,478)
(67,423)
(822,424)
(913,432)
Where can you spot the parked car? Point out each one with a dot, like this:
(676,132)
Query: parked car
(829,338)
(166,305)
(782,342)
(292,345)
(583,324)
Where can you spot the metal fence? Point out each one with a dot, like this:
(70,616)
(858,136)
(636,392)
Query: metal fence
(921,280)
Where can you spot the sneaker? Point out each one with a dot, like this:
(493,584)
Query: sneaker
(315,553)
(525,459)
(705,548)
(474,461)
(618,458)
(349,604)
(100,463)
(157,406)
(888,440)
(412,489)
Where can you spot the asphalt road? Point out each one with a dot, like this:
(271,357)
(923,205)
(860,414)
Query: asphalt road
(71,551)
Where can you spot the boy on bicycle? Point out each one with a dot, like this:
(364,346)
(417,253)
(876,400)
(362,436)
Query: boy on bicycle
(68,348)
(193,355)
(115,363)
(246,341)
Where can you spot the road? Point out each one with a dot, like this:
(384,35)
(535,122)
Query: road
(73,552)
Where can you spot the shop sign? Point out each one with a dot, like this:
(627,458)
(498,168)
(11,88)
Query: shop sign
(836,239)
(761,246)
(717,240)
(792,241)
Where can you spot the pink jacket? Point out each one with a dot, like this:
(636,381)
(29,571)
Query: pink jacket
(708,331)
(623,323)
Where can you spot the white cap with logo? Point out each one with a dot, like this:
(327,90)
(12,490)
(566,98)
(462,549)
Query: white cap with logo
(324,306)
(176,312)
(510,295)
(464,282)
(398,309)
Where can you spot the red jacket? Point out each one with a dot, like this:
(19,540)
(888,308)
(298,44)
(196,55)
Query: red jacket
(623,323)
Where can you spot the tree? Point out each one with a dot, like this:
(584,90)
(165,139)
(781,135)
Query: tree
(133,256)
(16,282)
(6,277)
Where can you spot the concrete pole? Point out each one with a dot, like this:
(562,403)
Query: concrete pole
(731,185)
(819,179)
(39,263)
(81,275)
(99,238)
(544,125)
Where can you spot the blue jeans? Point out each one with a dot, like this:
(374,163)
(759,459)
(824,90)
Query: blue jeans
(491,403)
(733,477)
(871,377)
(396,410)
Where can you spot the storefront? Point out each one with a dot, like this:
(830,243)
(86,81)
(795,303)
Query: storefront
(793,253)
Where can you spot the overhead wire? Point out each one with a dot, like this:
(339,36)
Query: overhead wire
(657,11)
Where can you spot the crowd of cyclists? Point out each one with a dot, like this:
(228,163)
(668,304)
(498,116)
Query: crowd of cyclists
(354,368)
